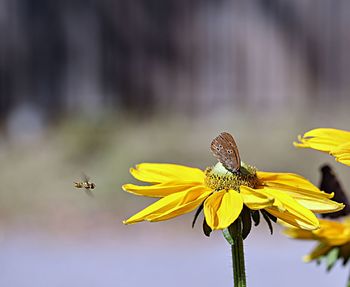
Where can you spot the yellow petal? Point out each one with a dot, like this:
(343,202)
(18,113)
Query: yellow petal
(291,218)
(294,213)
(159,190)
(320,250)
(172,205)
(162,172)
(303,191)
(319,205)
(222,208)
(181,209)
(323,139)
(342,153)
(335,142)
(298,233)
(291,183)
(333,233)
(329,133)
(254,199)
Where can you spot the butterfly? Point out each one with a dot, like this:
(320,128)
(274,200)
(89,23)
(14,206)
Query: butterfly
(226,152)
(330,183)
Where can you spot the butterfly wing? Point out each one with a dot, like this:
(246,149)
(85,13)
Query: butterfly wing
(225,150)
(330,183)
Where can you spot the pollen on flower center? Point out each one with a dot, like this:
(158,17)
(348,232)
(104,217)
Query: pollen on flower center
(218,178)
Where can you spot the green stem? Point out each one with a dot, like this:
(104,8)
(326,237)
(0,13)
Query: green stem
(237,252)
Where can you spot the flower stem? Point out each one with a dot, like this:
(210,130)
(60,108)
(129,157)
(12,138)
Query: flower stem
(237,252)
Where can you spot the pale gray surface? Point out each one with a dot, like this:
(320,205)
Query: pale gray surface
(272,261)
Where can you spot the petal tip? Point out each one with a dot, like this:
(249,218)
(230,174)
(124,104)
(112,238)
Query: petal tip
(307,258)
(128,221)
(300,142)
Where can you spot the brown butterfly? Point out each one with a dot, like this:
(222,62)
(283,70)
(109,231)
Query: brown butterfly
(225,150)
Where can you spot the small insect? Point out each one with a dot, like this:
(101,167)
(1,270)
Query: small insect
(86,184)
(225,150)
(330,183)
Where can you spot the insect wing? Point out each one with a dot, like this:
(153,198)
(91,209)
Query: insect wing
(86,184)
(225,150)
(84,177)
(330,183)
(88,192)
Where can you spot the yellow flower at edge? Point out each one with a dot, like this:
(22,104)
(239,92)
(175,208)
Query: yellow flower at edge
(181,189)
(330,235)
(333,141)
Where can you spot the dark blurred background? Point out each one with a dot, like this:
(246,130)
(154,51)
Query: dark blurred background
(99,86)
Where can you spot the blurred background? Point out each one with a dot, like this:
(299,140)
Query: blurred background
(98,86)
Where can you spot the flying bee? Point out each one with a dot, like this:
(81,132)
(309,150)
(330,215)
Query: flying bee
(86,184)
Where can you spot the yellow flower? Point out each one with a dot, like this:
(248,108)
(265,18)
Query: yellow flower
(330,235)
(182,189)
(333,141)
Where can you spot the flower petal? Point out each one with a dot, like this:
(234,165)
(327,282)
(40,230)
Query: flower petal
(222,208)
(320,250)
(294,213)
(342,153)
(162,172)
(298,233)
(172,205)
(303,191)
(181,209)
(292,219)
(159,190)
(292,183)
(323,139)
(335,142)
(333,233)
(318,205)
(254,199)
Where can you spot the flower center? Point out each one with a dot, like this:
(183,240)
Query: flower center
(218,178)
